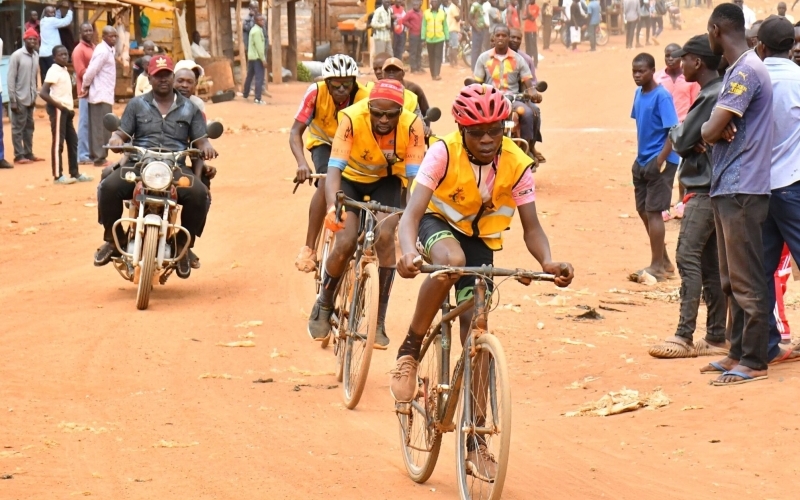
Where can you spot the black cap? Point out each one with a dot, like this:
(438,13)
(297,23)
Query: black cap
(776,33)
(697,45)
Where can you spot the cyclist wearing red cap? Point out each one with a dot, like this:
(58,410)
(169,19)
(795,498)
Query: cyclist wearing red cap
(464,197)
(377,143)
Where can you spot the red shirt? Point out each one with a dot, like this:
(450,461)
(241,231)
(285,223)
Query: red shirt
(530,23)
(413,21)
(80,61)
(512,17)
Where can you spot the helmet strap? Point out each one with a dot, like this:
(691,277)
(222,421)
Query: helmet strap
(471,157)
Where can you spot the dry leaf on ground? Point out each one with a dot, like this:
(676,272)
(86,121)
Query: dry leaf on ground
(575,342)
(623,401)
(558,300)
(240,343)
(174,444)
(249,324)
(216,375)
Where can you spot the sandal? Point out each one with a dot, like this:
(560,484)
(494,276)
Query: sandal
(539,157)
(673,348)
(786,356)
(703,348)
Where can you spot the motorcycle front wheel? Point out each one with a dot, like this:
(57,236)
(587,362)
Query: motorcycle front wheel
(466,54)
(147,266)
(602,36)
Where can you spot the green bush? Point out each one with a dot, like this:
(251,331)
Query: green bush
(303,74)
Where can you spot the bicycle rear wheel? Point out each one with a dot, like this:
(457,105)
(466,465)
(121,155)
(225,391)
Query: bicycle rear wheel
(360,335)
(486,421)
(324,245)
(419,440)
(342,310)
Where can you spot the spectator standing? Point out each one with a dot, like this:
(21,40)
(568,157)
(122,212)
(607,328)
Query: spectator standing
(577,20)
(434,32)
(531,14)
(495,18)
(81,57)
(57,93)
(782,12)
(399,35)
(49,26)
(23,68)
(644,22)
(658,8)
(3,162)
(749,15)
(672,78)
(454,30)
(149,50)
(33,22)
(249,22)
(477,21)
(741,132)
(413,22)
(256,60)
(696,256)
(655,165)
(630,9)
(487,40)
(99,82)
(382,28)
(782,225)
(547,24)
(511,15)
(593,13)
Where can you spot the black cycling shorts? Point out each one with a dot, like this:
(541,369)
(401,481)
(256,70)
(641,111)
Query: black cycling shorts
(433,228)
(385,191)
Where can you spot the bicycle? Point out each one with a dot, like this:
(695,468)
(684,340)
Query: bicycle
(354,320)
(441,395)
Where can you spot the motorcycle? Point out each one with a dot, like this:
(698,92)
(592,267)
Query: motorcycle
(152,252)
(559,26)
(601,31)
(465,44)
(674,15)
(511,124)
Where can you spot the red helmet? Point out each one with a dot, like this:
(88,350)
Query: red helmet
(478,104)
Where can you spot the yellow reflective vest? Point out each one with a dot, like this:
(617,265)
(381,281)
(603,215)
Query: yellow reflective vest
(367,163)
(457,199)
(322,128)
(434,24)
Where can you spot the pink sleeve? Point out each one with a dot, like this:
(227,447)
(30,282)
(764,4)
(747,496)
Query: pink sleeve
(524,191)
(308,105)
(434,166)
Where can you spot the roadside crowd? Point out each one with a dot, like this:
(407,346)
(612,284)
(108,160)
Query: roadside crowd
(727,109)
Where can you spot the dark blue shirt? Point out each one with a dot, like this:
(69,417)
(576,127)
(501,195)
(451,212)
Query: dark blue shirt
(655,114)
(142,121)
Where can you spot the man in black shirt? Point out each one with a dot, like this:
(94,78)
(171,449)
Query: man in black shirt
(159,119)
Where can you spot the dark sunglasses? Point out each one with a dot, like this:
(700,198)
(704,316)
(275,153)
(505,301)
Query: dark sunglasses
(391,115)
(340,85)
(476,133)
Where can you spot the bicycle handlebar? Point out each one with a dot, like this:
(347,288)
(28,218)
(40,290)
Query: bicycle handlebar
(312,176)
(372,206)
(487,271)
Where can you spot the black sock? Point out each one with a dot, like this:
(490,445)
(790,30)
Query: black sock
(385,280)
(411,345)
(328,289)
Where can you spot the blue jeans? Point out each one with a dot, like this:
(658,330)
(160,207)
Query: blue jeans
(477,43)
(83,130)
(255,69)
(781,226)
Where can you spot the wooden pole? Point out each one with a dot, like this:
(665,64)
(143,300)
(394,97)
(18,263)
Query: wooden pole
(275,30)
(137,27)
(291,52)
(242,48)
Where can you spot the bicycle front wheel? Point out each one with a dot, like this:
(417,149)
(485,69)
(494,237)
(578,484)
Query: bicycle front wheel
(361,335)
(419,439)
(342,310)
(484,428)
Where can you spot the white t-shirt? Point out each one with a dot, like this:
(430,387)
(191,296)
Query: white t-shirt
(60,85)
(749,17)
(482,173)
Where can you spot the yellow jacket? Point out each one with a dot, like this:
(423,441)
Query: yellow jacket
(324,124)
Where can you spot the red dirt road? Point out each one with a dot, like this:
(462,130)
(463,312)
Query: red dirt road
(99,399)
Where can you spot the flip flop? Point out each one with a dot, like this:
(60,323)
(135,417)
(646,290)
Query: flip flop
(784,357)
(717,368)
(745,379)
(642,277)
(703,348)
(672,349)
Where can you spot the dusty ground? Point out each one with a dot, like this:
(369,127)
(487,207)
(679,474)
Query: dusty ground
(99,399)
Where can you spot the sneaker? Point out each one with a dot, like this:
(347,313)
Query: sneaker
(481,464)
(5,164)
(105,253)
(84,178)
(259,102)
(381,339)
(319,322)
(404,384)
(65,180)
(305,260)
(184,269)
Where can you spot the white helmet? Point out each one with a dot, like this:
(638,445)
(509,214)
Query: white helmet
(339,66)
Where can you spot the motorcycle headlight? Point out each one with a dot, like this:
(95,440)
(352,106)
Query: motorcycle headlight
(157,175)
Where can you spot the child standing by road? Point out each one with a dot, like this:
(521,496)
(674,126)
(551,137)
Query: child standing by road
(57,93)
(655,165)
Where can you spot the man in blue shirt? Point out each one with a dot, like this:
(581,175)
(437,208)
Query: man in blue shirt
(48,28)
(593,12)
(656,163)
(741,130)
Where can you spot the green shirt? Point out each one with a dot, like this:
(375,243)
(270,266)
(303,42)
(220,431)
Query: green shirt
(476,13)
(439,20)
(256,50)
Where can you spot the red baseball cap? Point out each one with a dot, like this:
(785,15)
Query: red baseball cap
(160,63)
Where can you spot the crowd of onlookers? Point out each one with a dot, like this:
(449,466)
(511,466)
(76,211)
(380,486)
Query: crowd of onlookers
(727,110)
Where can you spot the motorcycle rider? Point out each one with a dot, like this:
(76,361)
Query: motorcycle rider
(318,112)
(504,69)
(162,119)
(456,221)
(377,143)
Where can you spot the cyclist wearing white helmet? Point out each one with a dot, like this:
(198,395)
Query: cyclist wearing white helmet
(318,112)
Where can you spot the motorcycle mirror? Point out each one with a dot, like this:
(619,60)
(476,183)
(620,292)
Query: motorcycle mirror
(541,86)
(214,130)
(433,115)
(111,122)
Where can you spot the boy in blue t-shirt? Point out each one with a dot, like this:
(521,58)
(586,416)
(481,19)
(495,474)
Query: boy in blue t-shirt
(656,163)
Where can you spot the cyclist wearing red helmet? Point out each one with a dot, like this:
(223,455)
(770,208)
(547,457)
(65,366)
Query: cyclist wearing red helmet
(464,197)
